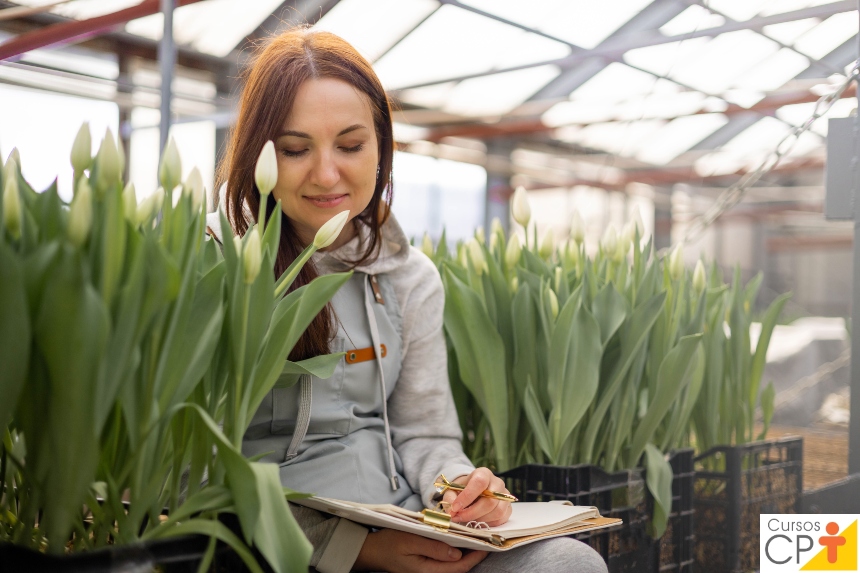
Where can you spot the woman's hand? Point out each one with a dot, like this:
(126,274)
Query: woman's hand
(397,551)
(469,505)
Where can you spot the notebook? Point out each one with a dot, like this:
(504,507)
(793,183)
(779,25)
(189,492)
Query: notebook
(529,522)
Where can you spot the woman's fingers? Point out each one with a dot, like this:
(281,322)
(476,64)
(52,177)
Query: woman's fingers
(436,550)
(478,481)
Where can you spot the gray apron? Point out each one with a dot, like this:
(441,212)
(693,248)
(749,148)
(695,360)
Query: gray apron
(331,437)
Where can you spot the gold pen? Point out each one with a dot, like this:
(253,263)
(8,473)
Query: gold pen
(446,485)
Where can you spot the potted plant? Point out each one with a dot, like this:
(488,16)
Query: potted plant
(135,352)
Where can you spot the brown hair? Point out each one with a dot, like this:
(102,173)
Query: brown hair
(279,67)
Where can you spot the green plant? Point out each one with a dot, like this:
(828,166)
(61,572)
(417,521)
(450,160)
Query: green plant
(128,341)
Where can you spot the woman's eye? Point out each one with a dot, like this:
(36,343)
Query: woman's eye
(294,153)
(354,149)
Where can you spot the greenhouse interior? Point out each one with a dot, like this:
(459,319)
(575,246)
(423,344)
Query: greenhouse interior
(627,228)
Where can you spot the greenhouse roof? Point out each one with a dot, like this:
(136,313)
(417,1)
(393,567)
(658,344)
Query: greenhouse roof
(671,90)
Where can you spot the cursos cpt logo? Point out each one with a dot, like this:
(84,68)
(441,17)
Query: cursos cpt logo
(816,542)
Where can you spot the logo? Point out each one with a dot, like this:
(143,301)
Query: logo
(817,542)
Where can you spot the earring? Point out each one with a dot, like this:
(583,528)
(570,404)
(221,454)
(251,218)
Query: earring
(377,171)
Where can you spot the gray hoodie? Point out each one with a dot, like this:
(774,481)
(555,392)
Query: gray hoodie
(342,447)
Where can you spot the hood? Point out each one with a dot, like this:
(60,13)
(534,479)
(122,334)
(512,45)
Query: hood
(393,253)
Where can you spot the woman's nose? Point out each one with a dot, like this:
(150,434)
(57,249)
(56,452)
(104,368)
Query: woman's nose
(325,172)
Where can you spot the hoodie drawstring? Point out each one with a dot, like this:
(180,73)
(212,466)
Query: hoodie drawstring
(377,349)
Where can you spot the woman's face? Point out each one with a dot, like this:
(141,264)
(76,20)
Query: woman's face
(327,157)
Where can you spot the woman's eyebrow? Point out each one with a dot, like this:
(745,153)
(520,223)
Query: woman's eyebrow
(306,136)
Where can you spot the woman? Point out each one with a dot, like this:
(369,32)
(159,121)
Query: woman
(383,428)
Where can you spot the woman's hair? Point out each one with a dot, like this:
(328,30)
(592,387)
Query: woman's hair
(279,67)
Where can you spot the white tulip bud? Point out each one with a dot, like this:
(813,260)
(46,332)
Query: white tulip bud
(331,230)
(676,263)
(81,214)
(699,277)
(266,172)
(480,235)
(546,244)
(515,284)
(476,254)
(553,303)
(494,242)
(237,244)
(107,160)
(559,278)
(427,245)
(15,156)
(120,155)
(252,257)
(129,202)
(12,212)
(513,252)
(520,208)
(577,228)
(170,169)
(637,220)
(81,155)
(194,187)
(609,243)
(149,206)
(496,227)
(571,253)
(628,234)
(462,256)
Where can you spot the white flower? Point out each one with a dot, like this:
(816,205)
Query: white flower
(577,228)
(609,243)
(479,234)
(81,155)
(513,252)
(699,277)
(149,206)
(331,230)
(553,303)
(252,257)
(571,253)
(129,201)
(676,262)
(628,234)
(170,169)
(515,284)
(266,172)
(12,201)
(520,209)
(476,254)
(237,243)
(427,245)
(120,155)
(546,244)
(107,161)
(496,227)
(637,220)
(194,187)
(81,214)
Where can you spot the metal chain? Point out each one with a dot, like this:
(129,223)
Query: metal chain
(732,196)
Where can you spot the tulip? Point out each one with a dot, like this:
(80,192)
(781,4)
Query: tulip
(14,155)
(237,244)
(515,284)
(107,160)
(266,172)
(609,243)
(194,187)
(120,154)
(80,214)
(462,256)
(476,254)
(427,245)
(129,202)
(513,252)
(628,234)
(637,219)
(12,201)
(546,244)
(571,253)
(553,303)
(81,155)
(558,278)
(330,230)
(520,209)
(496,227)
(676,263)
(699,277)
(170,170)
(149,206)
(480,236)
(577,228)
(252,257)
(494,242)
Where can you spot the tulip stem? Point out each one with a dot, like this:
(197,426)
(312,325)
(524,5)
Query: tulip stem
(261,215)
(293,271)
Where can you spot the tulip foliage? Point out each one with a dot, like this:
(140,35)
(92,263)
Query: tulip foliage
(134,354)
(557,357)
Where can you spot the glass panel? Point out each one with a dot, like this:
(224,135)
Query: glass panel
(661,59)
(788,32)
(692,19)
(373,26)
(424,56)
(678,136)
(622,138)
(782,6)
(617,82)
(773,72)
(585,23)
(828,35)
(798,114)
(83,9)
(499,93)
(740,9)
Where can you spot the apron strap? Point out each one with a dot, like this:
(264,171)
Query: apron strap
(303,420)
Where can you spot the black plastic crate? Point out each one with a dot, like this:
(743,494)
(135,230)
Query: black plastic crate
(625,548)
(733,486)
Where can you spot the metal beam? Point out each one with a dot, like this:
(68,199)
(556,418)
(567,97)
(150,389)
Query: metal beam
(290,13)
(615,49)
(854,406)
(167,67)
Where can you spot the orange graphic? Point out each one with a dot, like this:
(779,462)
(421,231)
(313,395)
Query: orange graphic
(839,552)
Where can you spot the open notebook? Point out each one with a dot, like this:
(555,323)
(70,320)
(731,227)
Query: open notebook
(529,522)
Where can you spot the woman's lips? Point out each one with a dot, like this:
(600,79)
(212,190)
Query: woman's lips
(326,201)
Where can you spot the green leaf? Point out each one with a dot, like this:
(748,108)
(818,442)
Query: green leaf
(15,333)
(322,366)
(768,397)
(609,309)
(535,416)
(760,356)
(213,529)
(524,325)
(658,477)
